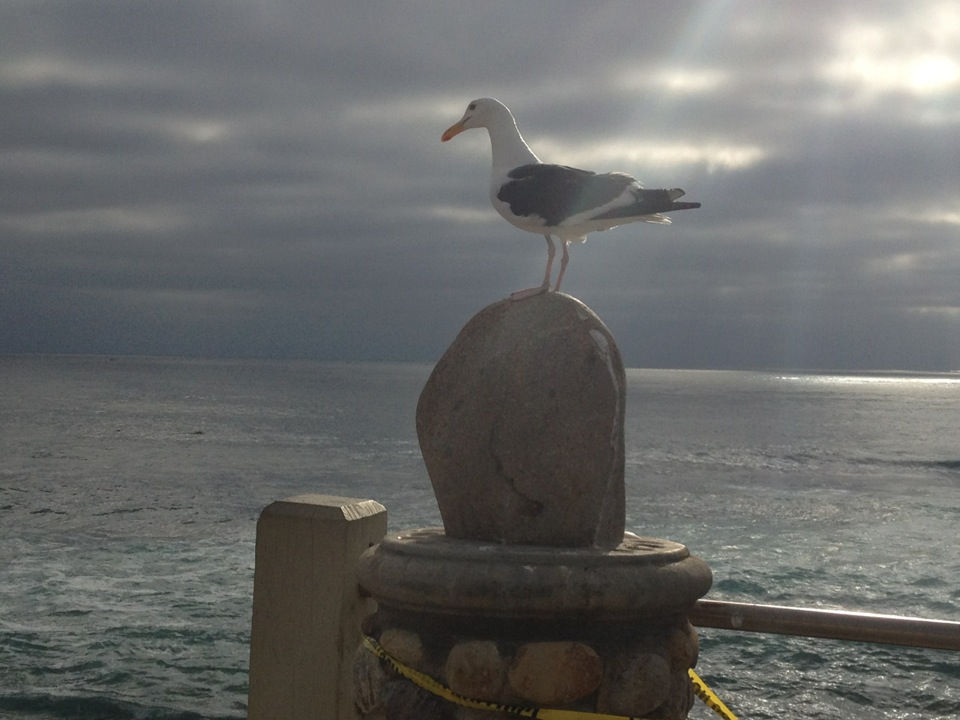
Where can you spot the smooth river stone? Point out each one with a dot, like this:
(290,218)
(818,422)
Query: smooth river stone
(635,685)
(404,645)
(475,669)
(554,673)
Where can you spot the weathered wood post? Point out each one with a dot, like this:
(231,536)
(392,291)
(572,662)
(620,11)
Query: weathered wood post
(306,605)
(532,594)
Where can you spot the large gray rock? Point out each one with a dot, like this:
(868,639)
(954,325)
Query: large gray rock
(521,427)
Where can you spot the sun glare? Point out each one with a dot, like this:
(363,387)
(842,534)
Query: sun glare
(933,73)
(924,75)
(920,55)
(869,379)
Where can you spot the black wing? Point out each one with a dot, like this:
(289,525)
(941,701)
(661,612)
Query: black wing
(556,192)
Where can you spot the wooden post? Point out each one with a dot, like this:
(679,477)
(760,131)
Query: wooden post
(306,605)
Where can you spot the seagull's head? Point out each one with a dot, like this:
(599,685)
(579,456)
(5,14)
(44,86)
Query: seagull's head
(480,113)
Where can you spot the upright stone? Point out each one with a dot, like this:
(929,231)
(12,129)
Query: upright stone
(521,427)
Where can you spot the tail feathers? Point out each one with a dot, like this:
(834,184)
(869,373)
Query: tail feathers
(665,200)
(678,193)
(647,205)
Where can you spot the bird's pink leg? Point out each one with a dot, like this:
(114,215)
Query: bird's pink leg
(563,264)
(551,253)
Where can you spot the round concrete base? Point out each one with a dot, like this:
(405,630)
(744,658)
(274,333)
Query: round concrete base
(426,571)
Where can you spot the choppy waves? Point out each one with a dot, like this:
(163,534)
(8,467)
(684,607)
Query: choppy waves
(53,707)
(129,492)
(125,629)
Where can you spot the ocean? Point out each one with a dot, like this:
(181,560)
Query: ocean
(130,489)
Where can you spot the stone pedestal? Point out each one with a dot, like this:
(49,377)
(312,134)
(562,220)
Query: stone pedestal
(531,594)
(594,630)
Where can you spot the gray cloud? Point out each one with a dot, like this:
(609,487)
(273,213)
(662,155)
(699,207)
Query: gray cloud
(267,178)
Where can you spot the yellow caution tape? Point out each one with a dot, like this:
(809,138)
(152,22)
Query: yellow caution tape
(440,690)
(709,697)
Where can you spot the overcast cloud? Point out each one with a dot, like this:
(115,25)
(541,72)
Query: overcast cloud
(267,178)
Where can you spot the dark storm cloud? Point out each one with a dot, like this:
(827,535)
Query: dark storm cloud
(250,178)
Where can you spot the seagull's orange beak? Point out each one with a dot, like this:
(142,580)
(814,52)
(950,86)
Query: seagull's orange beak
(452,131)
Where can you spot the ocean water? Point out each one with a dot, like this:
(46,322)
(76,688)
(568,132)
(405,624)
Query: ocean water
(130,489)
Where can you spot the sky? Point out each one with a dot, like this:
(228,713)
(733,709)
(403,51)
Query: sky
(266,179)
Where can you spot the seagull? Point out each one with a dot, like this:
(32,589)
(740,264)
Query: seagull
(556,200)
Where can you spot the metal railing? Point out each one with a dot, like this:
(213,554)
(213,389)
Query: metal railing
(832,624)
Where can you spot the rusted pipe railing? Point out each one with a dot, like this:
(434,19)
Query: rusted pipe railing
(832,624)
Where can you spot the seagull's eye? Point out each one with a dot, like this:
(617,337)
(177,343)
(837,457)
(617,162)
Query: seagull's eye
(472,106)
